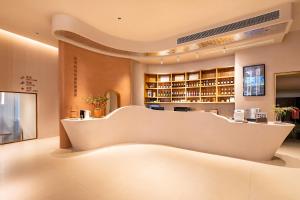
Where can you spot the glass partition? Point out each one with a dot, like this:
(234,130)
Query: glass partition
(18,117)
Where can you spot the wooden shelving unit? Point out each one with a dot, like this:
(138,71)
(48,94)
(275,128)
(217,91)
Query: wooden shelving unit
(205,86)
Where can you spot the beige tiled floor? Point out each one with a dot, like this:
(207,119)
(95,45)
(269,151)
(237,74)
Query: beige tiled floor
(38,170)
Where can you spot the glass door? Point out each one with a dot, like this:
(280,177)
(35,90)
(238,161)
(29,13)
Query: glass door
(18,117)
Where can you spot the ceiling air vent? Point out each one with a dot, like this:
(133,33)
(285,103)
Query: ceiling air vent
(231,27)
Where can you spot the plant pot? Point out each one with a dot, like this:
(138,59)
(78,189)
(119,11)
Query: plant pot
(278,118)
(98,113)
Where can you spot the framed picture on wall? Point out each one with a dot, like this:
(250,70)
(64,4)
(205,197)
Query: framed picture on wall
(254,80)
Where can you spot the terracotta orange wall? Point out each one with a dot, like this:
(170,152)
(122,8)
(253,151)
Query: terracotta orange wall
(96,74)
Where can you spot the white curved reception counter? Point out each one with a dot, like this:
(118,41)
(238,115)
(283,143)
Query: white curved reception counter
(200,131)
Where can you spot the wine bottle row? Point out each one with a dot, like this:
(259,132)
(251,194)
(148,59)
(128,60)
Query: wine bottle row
(192,93)
(208,83)
(166,93)
(164,86)
(180,93)
(151,93)
(193,84)
(226,91)
(180,84)
(226,81)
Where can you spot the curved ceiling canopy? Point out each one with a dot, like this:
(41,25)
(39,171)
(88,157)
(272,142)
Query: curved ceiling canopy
(253,30)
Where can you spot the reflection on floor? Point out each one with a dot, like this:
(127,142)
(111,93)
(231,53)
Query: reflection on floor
(37,170)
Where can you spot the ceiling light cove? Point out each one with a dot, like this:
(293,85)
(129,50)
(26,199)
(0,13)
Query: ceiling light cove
(23,39)
(271,24)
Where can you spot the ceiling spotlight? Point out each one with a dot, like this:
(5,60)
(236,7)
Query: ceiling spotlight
(178,59)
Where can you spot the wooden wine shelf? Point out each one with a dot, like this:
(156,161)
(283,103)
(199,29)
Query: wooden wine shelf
(219,81)
(189,102)
(212,78)
(208,86)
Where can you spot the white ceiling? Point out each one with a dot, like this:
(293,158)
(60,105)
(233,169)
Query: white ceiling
(141,20)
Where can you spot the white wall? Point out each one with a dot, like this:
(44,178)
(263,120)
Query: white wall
(20,57)
(282,57)
(138,71)
(28,115)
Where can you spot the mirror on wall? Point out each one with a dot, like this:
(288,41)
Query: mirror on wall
(18,117)
(288,96)
(113,101)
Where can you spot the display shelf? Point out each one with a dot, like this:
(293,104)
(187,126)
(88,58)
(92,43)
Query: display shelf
(215,81)
(232,95)
(220,77)
(225,85)
(212,78)
(164,81)
(192,80)
(208,96)
(151,81)
(189,102)
(208,86)
(196,87)
(178,81)
(225,72)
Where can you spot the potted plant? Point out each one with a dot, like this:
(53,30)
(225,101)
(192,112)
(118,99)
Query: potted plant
(280,113)
(98,103)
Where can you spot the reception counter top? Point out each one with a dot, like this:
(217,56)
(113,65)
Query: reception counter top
(196,130)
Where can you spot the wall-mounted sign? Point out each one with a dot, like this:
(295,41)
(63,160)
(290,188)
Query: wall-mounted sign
(254,80)
(75,76)
(28,84)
